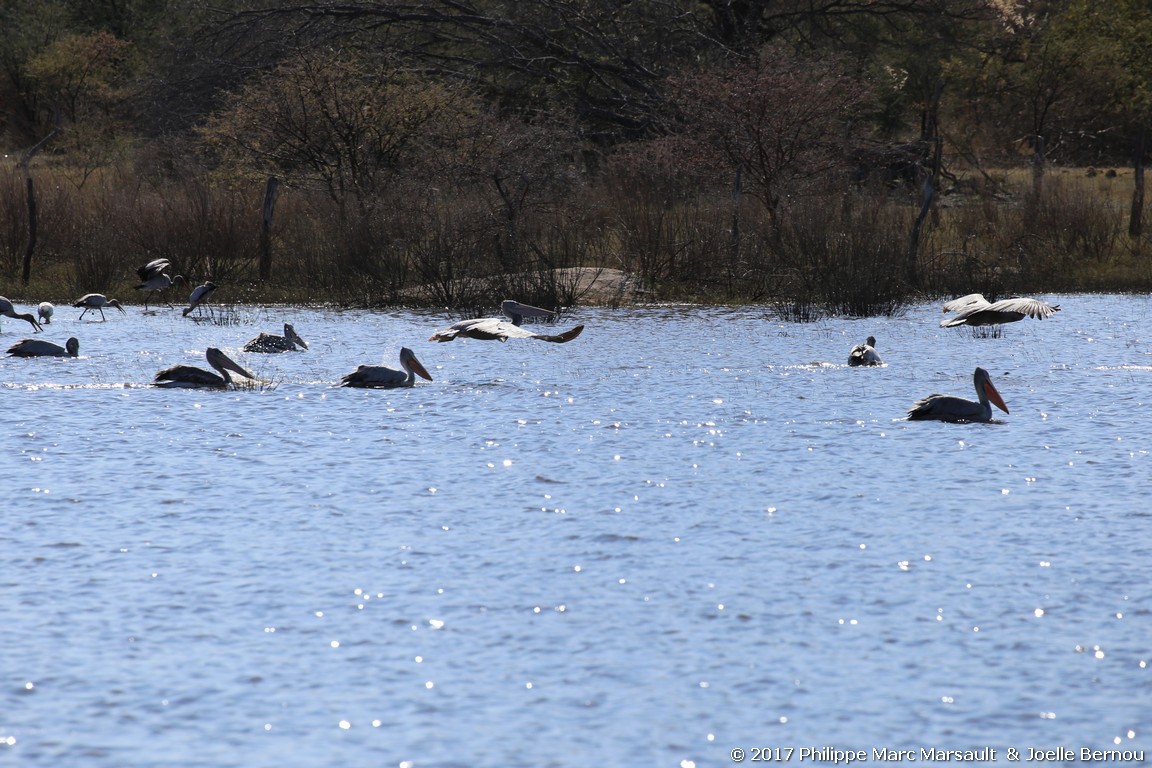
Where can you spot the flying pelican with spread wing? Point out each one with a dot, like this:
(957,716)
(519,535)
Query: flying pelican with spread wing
(268,342)
(381,377)
(41,348)
(957,409)
(189,376)
(865,354)
(974,309)
(486,328)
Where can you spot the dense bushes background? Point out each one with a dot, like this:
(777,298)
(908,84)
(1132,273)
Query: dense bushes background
(449,153)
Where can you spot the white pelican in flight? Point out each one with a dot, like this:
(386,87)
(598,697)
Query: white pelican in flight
(864,354)
(190,377)
(486,328)
(380,377)
(96,301)
(267,342)
(974,309)
(957,409)
(40,348)
(200,295)
(44,312)
(7,310)
(154,279)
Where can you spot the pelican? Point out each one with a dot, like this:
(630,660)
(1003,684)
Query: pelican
(154,279)
(380,377)
(7,310)
(486,328)
(189,376)
(200,295)
(41,348)
(267,342)
(957,409)
(96,301)
(44,312)
(864,354)
(974,309)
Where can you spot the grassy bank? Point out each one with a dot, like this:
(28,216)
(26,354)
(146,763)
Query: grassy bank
(837,250)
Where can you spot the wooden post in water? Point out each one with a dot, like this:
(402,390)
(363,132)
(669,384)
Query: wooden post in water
(30,247)
(266,227)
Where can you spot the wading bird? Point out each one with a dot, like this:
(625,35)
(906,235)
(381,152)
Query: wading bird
(44,312)
(189,376)
(974,309)
(40,348)
(864,354)
(487,328)
(96,301)
(200,295)
(267,342)
(957,409)
(8,310)
(153,279)
(380,377)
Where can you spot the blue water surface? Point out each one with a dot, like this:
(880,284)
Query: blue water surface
(688,531)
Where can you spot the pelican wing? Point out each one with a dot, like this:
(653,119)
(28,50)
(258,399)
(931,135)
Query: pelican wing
(187,376)
(1025,306)
(38,348)
(490,328)
(152,269)
(376,377)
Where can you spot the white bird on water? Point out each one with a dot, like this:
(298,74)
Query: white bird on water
(957,409)
(864,354)
(153,279)
(200,295)
(487,328)
(975,310)
(8,310)
(268,342)
(189,376)
(45,312)
(41,348)
(96,301)
(381,377)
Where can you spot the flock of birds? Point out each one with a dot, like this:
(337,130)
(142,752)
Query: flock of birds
(154,278)
(972,310)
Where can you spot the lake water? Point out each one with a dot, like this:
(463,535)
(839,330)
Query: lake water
(675,536)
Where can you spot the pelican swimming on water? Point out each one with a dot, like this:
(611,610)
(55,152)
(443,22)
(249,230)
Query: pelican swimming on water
(957,409)
(864,354)
(380,377)
(200,295)
(189,376)
(154,279)
(486,328)
(267,342)
(96,301)
(8,310)
(44,312)
(41,348)
(974,309)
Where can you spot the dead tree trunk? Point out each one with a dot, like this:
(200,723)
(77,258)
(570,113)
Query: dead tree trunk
(30,187)
(266,227)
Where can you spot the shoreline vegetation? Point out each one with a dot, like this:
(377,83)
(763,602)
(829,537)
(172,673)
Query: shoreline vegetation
(845,158)
(838,250)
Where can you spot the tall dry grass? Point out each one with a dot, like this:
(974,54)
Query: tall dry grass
(836,250)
